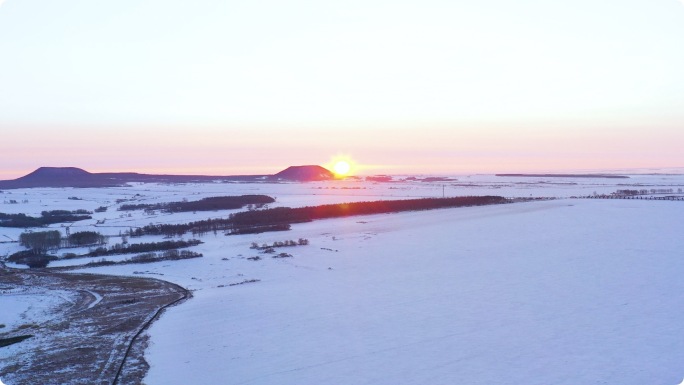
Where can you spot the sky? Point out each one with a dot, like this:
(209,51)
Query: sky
(251,87)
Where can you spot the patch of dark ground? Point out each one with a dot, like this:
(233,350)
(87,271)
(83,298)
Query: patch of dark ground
(87,342)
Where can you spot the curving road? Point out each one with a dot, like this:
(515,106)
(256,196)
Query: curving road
(96,339)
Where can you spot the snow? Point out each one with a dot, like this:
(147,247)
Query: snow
(566,291)
(528,294)
(25,307)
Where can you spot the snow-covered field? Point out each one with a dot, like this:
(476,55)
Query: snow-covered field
(565,291)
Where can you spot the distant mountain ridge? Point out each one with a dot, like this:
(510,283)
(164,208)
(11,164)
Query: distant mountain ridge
(77,177)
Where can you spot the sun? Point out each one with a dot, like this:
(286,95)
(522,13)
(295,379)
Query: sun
(342,168)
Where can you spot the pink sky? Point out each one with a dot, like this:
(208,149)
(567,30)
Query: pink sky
(217,87)
(261,150)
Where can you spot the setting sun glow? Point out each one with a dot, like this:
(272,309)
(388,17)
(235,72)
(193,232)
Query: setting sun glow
(342,168)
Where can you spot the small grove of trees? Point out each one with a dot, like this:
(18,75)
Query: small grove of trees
(629,192)
(38,244)
(56,214)
(85,238)
(31,258)
(41,241)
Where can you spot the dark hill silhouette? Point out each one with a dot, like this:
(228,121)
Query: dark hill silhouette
(304,174)
(46,173)
(76,177)
(57,177)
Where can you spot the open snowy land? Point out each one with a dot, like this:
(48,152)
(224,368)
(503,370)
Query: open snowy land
(564,291)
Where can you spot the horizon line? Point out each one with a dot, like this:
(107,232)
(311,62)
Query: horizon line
(15,174)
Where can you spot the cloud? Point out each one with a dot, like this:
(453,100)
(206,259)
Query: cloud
(2,1)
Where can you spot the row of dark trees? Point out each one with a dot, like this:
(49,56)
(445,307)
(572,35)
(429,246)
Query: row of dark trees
(258,229)
(310,213)
(46,218)
(206,204)
(646,191)
(142,247)
(198,228)
(169,255)
(280,218)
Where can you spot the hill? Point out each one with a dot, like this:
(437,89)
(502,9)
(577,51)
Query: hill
(77,177)
(304,174)
(58,177)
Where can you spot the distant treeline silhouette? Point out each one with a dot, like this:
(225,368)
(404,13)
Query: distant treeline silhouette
(258,229)
(141,247)
(46,218)
(197,228)
(280,218)
(306,214)
(206,204)
(169,255)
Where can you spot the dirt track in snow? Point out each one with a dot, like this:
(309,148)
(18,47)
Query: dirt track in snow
(94,338)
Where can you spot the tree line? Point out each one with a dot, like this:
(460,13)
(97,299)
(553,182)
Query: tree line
(196,228)
(142,247)
(46,218)
(169,255)
(205,204)
(42,241)
(310,213)
(280,218)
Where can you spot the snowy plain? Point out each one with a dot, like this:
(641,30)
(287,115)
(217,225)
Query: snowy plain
(564,291)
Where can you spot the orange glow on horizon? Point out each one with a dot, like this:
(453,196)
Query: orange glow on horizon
(342,166)
(481,149)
